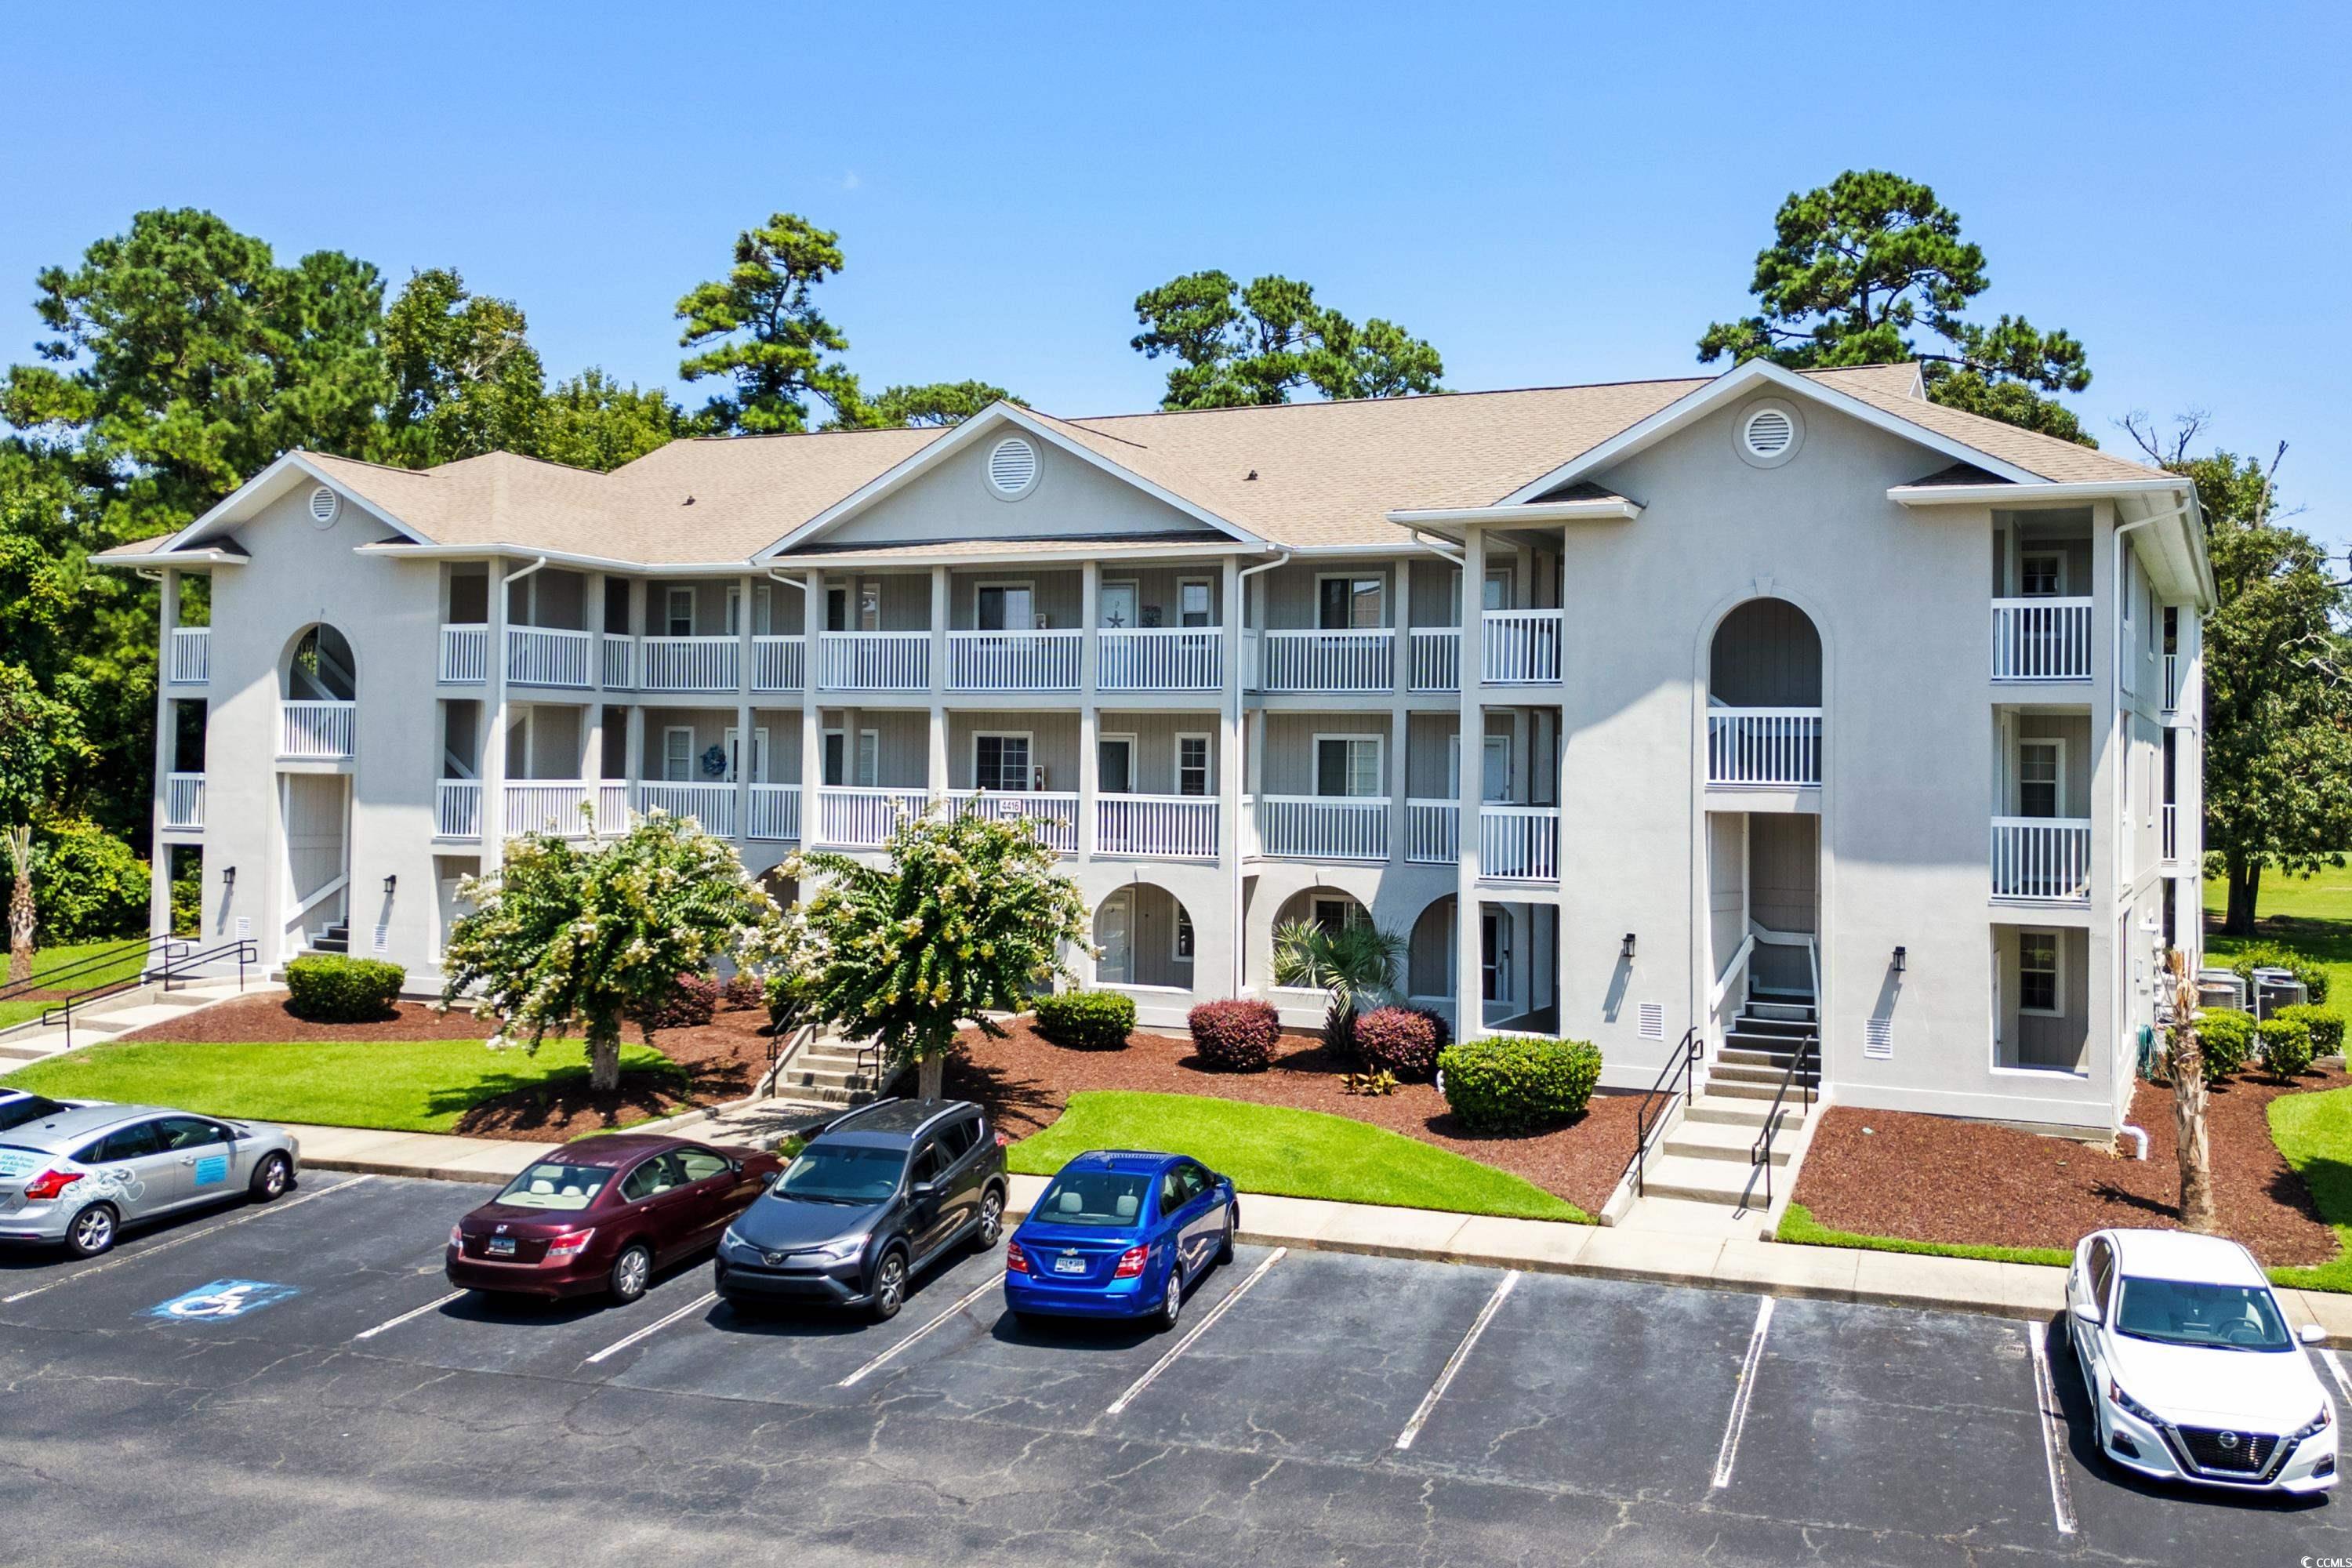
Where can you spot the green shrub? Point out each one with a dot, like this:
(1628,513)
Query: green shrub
(329,988)
(2327,1029)
(1519,1083)
(1236,1036)
(2286,1045)
(2228,1038)
(87,884)
(2271,955)
(1086,1020)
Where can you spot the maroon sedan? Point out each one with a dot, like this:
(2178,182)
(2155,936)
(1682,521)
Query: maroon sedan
(602,1214)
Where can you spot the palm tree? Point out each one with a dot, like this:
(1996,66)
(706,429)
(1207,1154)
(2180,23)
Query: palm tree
(1355,964)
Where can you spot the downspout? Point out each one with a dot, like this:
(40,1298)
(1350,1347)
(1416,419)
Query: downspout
(2138,1133)
(519,576)
(1434,547)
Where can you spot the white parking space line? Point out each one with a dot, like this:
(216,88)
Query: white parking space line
(1454,1363)
(2052,1423)
(1737,1422)
(2336,1370)
(117,1260)
(617,1346)
(409,1316)
(990,1283)
(1202,1327)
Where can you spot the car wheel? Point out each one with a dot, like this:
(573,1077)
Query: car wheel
(991,1221)
(632,1272)
(889,1286)
(1171,1309)
(1232,1223)
(92,1231)
(271,1178)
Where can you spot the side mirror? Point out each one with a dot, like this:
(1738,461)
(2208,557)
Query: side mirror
(771,1178)
(2311,1334)
(2085,1312)
(921,1191)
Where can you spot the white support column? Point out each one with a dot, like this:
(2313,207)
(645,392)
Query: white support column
(633,766)
(493,768)
(1469,1011)
(811,715)
(939,640)
(746,742)
(594,617)
(167,733)
(1400,819)
(936,771)
(1089,706)
(1229,770)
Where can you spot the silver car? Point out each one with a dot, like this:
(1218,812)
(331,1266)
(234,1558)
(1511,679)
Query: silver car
(79,1173)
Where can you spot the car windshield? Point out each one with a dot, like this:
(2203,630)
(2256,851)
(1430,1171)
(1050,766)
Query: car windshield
(553,1185)
(2186,1313)
(1093,1197)
(843,1174)
(31,1108)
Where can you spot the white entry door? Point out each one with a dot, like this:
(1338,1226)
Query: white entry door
(1113,925)
(759,754)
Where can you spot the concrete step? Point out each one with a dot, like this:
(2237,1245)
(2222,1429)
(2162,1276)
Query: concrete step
(1721,1141)
(1722,1181)
(1739,1112)
(1779,1011)
(1768,1073)
(1741,1088)
(797,1079)
(1751,1056)
(1780,1028)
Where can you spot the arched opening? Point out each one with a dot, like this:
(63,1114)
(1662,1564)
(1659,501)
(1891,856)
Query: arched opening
(1429,959)
(785,890)
(1145,937)
(319,667)
(1327,907)
(1764,698)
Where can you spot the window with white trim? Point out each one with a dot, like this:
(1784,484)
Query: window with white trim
(2041,573)
(2041,778)
(1192,765)
(678,604)
(1193,602)
(1348,765)
(1336,915)
(1181,950)
(1000,762)
(1003,608)
(869,758)
(1347,603)
(2037,974)
(678,754)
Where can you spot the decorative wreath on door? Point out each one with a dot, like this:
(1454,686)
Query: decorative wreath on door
(714,760)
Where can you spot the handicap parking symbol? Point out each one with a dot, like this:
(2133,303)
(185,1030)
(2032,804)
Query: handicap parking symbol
(222,1300)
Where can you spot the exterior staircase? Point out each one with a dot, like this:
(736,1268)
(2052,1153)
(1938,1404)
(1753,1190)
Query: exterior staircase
(828,1071)
(1708,1158)
(336,938)
(107,1017)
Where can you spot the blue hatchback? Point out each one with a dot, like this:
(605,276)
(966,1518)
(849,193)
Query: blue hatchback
(1120,1234)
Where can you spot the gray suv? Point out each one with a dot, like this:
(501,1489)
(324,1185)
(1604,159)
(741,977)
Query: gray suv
(78,1173)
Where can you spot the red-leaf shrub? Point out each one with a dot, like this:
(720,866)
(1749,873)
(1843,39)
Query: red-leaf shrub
(744,990)
(692,1004)
(1236,1036)
(1404,1040)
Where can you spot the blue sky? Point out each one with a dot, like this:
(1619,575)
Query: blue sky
(1549,194)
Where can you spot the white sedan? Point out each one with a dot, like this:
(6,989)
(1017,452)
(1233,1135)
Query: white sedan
(2192,1368)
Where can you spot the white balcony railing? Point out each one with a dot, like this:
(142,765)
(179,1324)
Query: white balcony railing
(184,803)
(2041,640)
(1181,827)
(620,661)
(2171,831)
(1753,746)
(1437,658)
(465,655)
(1328,660)
(1432,830)
(557,806)
(549,656)
(690,664)
(458,809)
(865,818)
(877,661)
(775,812)
(612,806)
(1014,661)
(315,730)
(1519,843)
(711,804)
(1523,647)
(1323,827)
(1161,659)
(192,656)
(779,663)
(1056,815)
(2041,857)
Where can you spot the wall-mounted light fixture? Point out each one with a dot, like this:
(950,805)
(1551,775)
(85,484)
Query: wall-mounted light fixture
(388,883)
(1899,960)
(228,878)
(1627,951)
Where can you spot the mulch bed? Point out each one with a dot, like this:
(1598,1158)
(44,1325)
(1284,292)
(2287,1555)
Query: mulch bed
(722,1059)
(1024,1080)
(1934,1178)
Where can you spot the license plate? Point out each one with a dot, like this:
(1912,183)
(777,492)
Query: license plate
(1069,1266)
(499,1247)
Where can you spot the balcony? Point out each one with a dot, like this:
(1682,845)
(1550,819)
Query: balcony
(316,730)
(1323,827)
(1433,831)
(2041,638)
(1519,843)
(2041,857)
(775,812)
(557,806)
(711,804)
(1437,658)
(1161,659)
(1522,647)
(1056,815)
(876,661)
(690,664)
(1763,748)
(620,661)
(1178,827)
(546,656)
(865,818)
(779,663)
(465,655)
(184,803)
(1014,661)
(458,809)
(1327,661)
(191,662)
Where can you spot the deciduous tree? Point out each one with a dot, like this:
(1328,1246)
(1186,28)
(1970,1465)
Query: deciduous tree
(1238,345)
(591,421)
(464,379)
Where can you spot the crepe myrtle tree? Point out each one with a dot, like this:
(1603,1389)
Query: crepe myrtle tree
(968,915)
(577,937)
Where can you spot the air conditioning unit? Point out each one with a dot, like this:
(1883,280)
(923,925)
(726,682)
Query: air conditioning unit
(2221,989)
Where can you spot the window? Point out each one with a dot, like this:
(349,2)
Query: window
(836,609)
(2103,1270)
(1192,601)
(734,610)
(2041,573)
(835,760)
(958,1137)
(1349,603)
(1336,915)
(1192,765)
(1497,594)
(2037,973)
(1115,764)
(869,606)
(1181,950)
(679,612)
(1004,607)
(700,1165)
(1192,1179)
(1348,765)
(1000,762)
(869,758)
(189,1133)
(678,754)
(553,1185)
(2041,778)
(655,1177)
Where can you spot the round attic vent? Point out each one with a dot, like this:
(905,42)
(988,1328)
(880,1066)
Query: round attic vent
(325,507)
(1769,434)
(1012,467)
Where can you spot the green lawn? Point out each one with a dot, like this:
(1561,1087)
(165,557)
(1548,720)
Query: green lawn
(1798,1225)
(2311,914)
(2315,1132)
(419,1086)
(50,958)
(1292,1153)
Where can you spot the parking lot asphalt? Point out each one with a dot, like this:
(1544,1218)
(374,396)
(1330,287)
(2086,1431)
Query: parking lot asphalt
(298,1382)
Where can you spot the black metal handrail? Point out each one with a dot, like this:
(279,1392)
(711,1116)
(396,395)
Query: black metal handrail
(143,948)
(1683,1064)
(1760,1153)
(177,965)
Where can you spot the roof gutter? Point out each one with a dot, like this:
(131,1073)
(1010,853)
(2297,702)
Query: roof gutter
(1611,509)
(161,558)
(555,558)
(2011,494)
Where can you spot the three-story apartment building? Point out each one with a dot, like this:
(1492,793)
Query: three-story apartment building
(1790,686)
